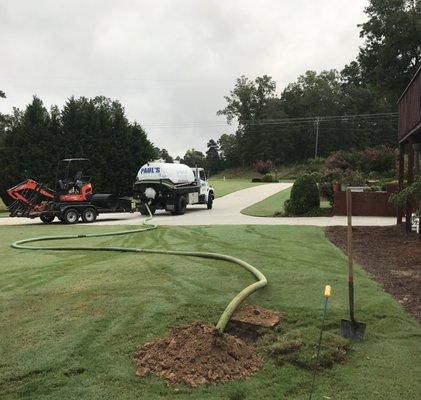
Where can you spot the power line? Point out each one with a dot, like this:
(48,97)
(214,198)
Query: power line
(279,121)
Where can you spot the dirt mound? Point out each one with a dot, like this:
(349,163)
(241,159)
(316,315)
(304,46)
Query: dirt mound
(256,315)
(196,355)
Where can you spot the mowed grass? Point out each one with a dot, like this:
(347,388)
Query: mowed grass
(270,206)
(223,188)
(274,205)
(3,208)
(70,321)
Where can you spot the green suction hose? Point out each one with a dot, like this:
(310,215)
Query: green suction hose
(229,310)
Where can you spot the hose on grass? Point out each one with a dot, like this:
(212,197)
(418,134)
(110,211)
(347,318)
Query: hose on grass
(232,305)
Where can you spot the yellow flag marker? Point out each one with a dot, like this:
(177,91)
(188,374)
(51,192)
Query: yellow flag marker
(328,293)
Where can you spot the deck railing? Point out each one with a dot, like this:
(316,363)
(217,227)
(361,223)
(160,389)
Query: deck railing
(409,106)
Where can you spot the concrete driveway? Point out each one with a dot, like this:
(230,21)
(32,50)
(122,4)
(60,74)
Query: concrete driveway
(226,211)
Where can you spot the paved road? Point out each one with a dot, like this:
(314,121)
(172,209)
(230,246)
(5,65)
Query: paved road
(226,211)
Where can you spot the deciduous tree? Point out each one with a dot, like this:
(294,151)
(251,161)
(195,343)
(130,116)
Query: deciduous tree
(392,49)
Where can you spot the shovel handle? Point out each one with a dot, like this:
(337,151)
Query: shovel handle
(349,236)
(350,254)
(351,300)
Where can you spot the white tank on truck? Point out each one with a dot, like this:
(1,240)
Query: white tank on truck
(171,187)
(176,173)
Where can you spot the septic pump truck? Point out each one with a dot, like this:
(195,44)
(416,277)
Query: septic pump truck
(71,199)
(171,187)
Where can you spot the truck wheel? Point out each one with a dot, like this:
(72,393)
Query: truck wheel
(70,216)
(47,218)
(144,211)
(180,205)
(209,204)
(89,215)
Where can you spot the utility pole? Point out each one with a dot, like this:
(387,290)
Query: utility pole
(317,137)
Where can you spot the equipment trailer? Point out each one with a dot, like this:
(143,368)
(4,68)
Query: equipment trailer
(71,199)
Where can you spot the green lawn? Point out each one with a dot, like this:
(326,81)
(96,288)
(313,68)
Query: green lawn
(3,207)
(274,205)
(70,321)
(3,210)
(230,185)
(269,206)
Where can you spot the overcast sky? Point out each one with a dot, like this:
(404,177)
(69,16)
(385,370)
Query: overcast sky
(168,61)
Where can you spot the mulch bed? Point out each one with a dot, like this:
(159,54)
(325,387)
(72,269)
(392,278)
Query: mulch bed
(196,355)
(391,255)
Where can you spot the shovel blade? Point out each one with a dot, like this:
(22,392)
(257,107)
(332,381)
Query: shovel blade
(353,330)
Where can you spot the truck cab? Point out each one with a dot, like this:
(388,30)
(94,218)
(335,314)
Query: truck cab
(203,183)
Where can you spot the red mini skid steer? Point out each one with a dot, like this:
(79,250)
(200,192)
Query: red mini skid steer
(71,199)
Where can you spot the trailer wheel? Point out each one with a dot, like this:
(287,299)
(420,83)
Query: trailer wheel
(89,215)
(70,216)
(180,205)
(47,218)
(209,204)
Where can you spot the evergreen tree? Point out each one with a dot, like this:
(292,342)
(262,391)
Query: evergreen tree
(96,129)
(213,161)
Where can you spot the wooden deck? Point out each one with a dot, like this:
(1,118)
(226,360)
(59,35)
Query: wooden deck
(409,106)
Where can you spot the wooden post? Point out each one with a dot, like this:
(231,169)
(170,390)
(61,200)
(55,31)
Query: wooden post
(350,256)
(410,180)
(417,163)
(401,173)
(349,217)
(417,171)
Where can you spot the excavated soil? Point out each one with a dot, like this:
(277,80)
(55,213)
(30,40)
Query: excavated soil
(196,355)
(391,255)
(256,315)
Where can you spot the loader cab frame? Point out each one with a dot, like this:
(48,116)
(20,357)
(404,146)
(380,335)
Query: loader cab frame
(64,184)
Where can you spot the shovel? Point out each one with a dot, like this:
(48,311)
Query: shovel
(351,329)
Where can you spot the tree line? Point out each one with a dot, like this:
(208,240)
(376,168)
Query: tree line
(33,140)
(282,128)
(285,129)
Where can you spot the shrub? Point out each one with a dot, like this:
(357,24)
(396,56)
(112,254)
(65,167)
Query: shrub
(257,179)
(411,193)
(336,161)
(353,178)
(332,175)
(304,196)
(381,159)
(389,183)
(268,178)
(375,160)
(263,167)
